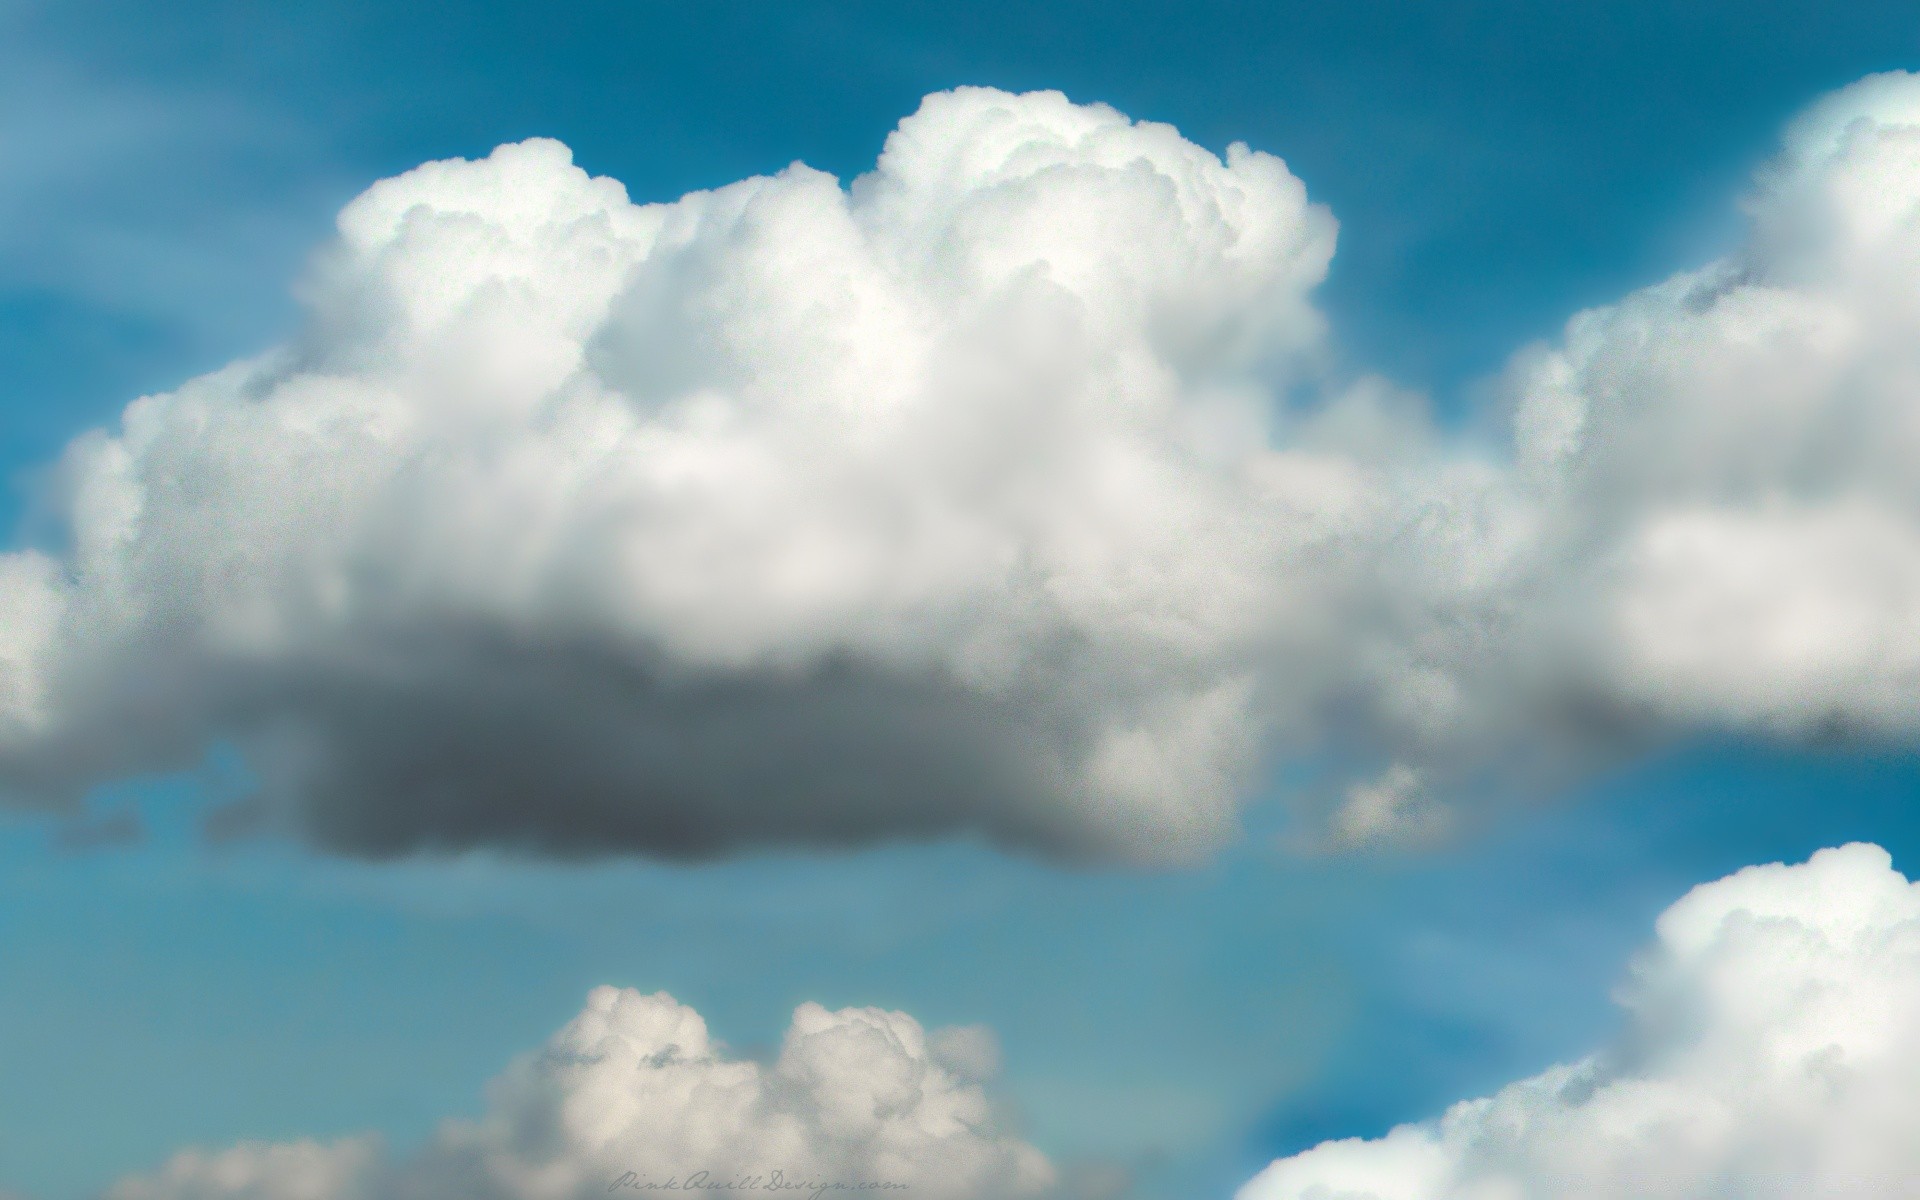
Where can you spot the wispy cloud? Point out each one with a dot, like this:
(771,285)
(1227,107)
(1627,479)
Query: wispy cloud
(171,203)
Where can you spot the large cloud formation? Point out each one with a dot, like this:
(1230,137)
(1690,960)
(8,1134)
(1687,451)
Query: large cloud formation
(1004,491)
(779,513)
(633,1097)
(1769,1054)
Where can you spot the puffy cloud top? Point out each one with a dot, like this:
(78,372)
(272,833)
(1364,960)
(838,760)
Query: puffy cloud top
(1769,1053)
(634,1089)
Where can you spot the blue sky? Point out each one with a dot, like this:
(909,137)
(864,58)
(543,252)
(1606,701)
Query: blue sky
(164,175)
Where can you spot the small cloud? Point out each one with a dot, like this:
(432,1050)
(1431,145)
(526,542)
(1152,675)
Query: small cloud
(1390,810)
(633,1092)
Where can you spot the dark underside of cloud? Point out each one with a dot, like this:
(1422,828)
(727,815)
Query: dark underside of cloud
(580,753)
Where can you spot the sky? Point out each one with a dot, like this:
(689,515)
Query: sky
(1174,1008)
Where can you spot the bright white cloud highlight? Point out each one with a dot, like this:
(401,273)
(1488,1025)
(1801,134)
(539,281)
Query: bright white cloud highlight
(961,499)
(635,1085)
(1769,1053)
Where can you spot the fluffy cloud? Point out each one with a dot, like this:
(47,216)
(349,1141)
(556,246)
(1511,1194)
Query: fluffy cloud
(962,499)
(1706,517)
(1769,1053)
(784,512)
(1727,455)
(634,1089)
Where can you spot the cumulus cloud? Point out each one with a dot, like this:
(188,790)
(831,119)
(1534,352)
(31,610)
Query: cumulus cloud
(1769,1053)
(634,1092)
(1706,516)
(784,512)
(1727,451)
(1005,490)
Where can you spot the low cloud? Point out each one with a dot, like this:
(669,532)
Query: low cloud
(634,1092)
(964,500)
(1769,1053)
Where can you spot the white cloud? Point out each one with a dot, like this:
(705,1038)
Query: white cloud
(1725,457)
(960,500)
(635,1086)
(1708,518)
(1769,1053)
(782,512)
